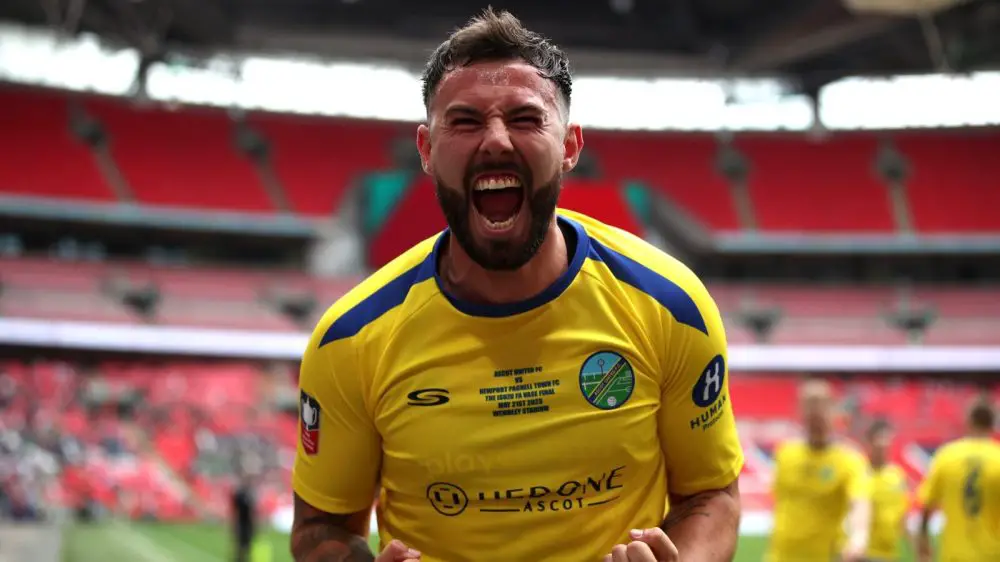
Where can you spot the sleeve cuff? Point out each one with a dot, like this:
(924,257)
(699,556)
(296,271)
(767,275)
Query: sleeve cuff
(338,506)
(713,482)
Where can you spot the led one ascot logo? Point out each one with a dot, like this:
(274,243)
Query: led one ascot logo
(450,499)
(564,496)
(606,380)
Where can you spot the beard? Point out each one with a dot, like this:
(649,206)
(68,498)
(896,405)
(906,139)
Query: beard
(500,255)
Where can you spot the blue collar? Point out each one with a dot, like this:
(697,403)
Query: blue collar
(514,308)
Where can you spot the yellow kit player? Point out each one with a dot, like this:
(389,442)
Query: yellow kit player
(964,483)
(821,487)
(890,498)
(530,384)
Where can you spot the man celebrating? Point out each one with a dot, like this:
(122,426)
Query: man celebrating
(819,486)
(964,483)
(530,384)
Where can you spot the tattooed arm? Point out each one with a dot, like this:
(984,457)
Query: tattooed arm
(318,536)
(704,527)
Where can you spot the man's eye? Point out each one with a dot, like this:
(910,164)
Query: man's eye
(464,121)
(526,120)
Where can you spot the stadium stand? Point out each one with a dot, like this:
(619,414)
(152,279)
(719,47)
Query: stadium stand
(241,298)
(150,440)
(796,184)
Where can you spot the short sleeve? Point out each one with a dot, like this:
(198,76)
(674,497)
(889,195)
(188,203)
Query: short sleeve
(697,429)
(339,450)
(859,478)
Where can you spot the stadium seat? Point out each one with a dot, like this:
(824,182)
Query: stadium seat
(41,157)
(318,160)
(836,331)
(831,186)
(954,182)
(680,167)
(416,217)
(601,200)
(185,158)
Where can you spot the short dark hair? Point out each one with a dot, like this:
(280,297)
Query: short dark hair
(493,36)
(981,415)
(877,426)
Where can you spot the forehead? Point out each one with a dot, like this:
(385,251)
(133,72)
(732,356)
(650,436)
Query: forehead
(495,84)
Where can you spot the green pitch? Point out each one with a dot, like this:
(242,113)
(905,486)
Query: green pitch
(153,542)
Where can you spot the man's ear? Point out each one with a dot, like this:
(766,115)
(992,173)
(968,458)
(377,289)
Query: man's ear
(572,146)
(424,148)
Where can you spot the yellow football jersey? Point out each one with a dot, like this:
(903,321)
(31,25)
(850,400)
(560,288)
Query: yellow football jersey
(541,430)
(890,503)
(813,489)
(964,483)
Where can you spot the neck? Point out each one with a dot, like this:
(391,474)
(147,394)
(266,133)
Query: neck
(819,441)
(877,463)
(469,281)
(977,433)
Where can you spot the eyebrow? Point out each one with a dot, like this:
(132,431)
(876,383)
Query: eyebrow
(460,110)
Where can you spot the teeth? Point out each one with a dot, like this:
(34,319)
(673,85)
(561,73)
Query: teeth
(501,225)
(486,184)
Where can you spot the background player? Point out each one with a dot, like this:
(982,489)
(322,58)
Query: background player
(244,510)
(605,358)
(964,483)
(820,484)
(890,497)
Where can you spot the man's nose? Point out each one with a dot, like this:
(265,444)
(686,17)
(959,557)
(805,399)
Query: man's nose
(496,139)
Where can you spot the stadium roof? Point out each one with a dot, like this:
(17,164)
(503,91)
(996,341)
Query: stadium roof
(815,41)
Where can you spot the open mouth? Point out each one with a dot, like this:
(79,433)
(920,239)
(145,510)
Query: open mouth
(498,200)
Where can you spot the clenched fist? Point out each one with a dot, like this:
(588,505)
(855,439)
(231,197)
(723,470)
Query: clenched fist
(398,552)
(649,545)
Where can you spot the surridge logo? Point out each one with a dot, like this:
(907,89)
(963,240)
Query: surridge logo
(428,397)
(606,380)
(578,493)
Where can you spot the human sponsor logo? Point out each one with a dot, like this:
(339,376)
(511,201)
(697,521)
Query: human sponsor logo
(708,393)
(606,380)
(588,491)
(309,416)
(710,384)
(710,416)
(428,397)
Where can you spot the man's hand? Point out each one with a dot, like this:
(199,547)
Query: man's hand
(649,545)
(852,553)
(396,551)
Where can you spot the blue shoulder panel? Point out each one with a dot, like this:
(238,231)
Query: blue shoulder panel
(389,296)
(663,290)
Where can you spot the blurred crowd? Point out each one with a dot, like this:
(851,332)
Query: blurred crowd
(76,439)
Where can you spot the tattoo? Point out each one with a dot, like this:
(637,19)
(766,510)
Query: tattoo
(318,536)
(324,539)
(683,508)
(693,506)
